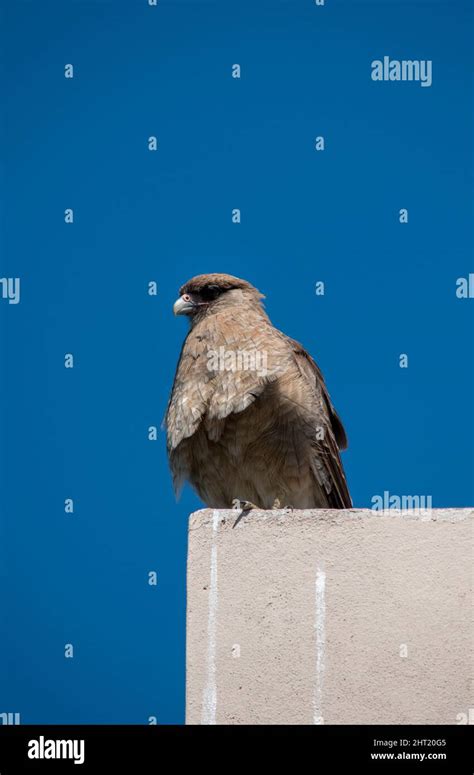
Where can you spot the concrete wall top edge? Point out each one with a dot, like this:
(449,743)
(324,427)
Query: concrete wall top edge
(213,517)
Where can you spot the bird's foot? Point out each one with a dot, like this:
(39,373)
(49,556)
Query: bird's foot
(243,507)
(240,505)
(277,505)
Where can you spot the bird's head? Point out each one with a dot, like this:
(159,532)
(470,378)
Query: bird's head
(207,293)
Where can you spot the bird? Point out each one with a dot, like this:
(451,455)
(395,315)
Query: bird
(249,422)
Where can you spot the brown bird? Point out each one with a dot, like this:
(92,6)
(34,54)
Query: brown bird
(250,419)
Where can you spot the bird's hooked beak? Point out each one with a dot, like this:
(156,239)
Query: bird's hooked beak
(184,305)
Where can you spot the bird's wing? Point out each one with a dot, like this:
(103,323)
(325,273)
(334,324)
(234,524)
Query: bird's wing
(246,338)
(190,393)
(327,466)
(206,388)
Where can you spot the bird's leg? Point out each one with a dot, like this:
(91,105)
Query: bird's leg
(240,505)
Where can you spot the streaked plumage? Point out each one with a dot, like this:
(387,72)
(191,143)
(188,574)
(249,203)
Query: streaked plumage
(255,434)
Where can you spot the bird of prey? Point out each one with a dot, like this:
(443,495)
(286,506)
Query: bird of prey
(249,419)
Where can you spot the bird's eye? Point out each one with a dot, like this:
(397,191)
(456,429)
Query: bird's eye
(210,292)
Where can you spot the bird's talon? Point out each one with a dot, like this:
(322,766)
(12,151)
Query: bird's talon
(277,505)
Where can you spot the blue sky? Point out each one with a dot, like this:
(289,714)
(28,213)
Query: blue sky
(163,216)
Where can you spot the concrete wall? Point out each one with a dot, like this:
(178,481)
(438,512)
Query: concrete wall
(331,617)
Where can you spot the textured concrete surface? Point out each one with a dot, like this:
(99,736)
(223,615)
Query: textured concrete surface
(331,617)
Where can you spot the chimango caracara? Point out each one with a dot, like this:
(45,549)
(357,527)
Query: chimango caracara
(250,420)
